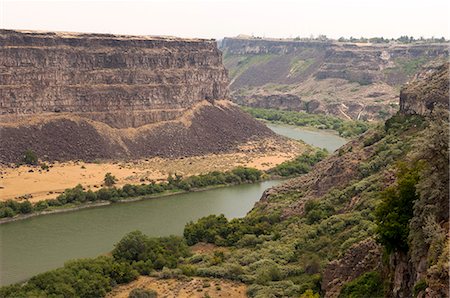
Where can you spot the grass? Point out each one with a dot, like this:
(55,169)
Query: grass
(345,128)
(245,62)
(300,65)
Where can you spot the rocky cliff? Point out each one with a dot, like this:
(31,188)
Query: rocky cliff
(349,80)
(68,95)
(428,90)
(120,80)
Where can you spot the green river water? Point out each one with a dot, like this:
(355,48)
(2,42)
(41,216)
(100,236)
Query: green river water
(38,244)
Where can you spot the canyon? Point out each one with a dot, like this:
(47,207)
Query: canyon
(69,96)
(354,81)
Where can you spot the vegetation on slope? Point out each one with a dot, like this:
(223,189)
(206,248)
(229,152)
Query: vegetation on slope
(343,127)
(367,285)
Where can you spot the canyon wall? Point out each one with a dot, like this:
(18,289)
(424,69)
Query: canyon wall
(123,81)
(428,90)
(348,80)
(88,96)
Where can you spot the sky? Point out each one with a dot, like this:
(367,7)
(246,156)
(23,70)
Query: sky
(227,18)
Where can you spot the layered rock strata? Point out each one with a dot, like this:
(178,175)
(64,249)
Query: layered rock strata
(348,80)
(68,96)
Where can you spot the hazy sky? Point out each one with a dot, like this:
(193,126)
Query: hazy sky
(219,18)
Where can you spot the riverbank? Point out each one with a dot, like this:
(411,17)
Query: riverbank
(35,183)
(78,198)
(64,209)
(43,243)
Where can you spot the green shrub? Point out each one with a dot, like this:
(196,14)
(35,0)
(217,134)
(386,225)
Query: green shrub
(143,293)
(218,230)
(396,210)
(420,286)
(25,207)
(7,212)
(300,165)
(109,180)
(79,278)
(309,294)
(155,252)
(30,158)
(367,285)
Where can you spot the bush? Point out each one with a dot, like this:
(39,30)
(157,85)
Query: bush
(109,180)
(218,230)
(309,294)
(79,278)
(7,212)
(25,207)
(30,158)
(396,210)
(206,229)
(143,293)
(420,286)
(155,252)
(367,285)
(300,165)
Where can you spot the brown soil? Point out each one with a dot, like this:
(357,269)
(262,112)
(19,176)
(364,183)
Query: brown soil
(37,184)
(190,287)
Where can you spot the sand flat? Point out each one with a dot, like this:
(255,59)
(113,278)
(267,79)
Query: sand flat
(37,184)
(189,287)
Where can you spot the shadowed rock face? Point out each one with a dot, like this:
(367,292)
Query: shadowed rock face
(93,96)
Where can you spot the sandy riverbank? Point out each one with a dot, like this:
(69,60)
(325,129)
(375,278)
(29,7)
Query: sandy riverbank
(37,184)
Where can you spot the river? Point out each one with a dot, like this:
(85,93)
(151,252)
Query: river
(319,138)
(42,243)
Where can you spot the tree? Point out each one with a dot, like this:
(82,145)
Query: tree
(396,210)
(30,158)
(25,207)
(109,180)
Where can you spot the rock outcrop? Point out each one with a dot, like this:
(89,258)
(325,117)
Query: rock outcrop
(428,90)
(360,258)
(89,96)
(349,80)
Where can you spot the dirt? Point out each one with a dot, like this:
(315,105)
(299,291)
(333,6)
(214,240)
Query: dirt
(189,287)
(36,184)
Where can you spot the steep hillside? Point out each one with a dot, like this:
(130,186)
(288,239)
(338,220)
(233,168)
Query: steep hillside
(96,96)
(349,80)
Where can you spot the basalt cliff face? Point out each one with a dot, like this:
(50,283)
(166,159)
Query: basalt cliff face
(349,80)
(428,90)
(88,96)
